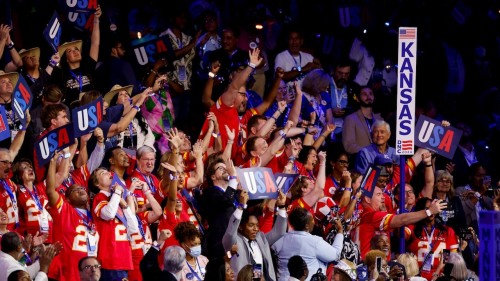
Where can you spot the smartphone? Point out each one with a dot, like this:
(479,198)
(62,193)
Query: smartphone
(446,255)
(448,267)
(379,264)
(257,271)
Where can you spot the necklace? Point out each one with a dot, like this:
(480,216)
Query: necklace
(6,101)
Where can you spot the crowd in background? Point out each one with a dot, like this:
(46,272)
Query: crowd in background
(154,192)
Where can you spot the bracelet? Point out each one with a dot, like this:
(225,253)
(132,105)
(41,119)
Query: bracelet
(230,142)
(215,135)
(291,158)
(281,206)
(281,112)
(211,74)
(282,134)
(136,108)
(430,165)
(10,46)
(252,65)
(275,119)
(346,189)
(52,63)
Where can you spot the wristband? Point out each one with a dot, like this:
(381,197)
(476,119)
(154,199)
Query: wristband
(281,206)
(52,63)
(174,177)
(211,74)
(346,189)
(10,46)
(282,134)
(119,193)
(430,165)
(275,119)
(232,177)
(136,108)
(252,65)
(215,135)
(291,158)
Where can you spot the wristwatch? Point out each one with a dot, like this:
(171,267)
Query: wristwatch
(428,212)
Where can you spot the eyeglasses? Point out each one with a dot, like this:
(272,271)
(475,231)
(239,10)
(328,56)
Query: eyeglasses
(6,162)
(220,167)
(444,181)
(409,191)
(343,162)
(76,189)
(95,266)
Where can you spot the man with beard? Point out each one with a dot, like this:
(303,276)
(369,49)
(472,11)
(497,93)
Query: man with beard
(339,95)
(218,203)
(358,125)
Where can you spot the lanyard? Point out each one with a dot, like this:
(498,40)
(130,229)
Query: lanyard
(77,78)
(297,64)
(149,181)
(9,191)
(335,182)
(311,175)
(338,96)
(194,271)
(369,123)
(141,228)
(35,197)
(87,219)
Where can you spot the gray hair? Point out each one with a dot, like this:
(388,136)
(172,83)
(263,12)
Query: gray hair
(459,270)
(379,123)
(174,258)
(143,150)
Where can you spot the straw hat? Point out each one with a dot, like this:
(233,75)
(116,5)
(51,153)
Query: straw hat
(30,53)
(347,267)
(62,49)
(13,76)
(115,90)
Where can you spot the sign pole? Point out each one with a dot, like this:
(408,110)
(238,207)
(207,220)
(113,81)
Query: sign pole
(402,194)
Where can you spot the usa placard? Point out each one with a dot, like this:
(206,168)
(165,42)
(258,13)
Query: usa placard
(145,50)
(432,135)
(4,124)
(52,32)
(56,139)
(22,100)
(407,78)
(259,182)
(86,118)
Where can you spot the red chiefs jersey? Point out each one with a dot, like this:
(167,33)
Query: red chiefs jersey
(8,202)
(31,205)
(115,252)
(138,241)
(370,222)
(440,240)
(153,183)
(71,227)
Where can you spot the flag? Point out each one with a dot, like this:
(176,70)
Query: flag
(407,33)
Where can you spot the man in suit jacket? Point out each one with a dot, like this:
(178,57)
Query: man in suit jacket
(252,244)
(173,262)
(218,204)
(357,128)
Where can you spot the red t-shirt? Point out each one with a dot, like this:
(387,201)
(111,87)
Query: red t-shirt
(115,252)
(153,183)
(370,222)
(331,186)
(71,228)
(8,202)
(421,246)
(30,210)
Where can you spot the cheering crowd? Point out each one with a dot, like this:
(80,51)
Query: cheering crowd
(139,198)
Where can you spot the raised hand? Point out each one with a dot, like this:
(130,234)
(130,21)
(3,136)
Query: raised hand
(215,66)
(243,198)
(255,57)
(230,133)
(322,157)
(99,135)
(282,106)
(198,149)
(279,73)
(174,138)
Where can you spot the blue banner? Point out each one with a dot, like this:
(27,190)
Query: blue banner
(147,49)
(432,135)
(87,117)
(259,182)
(54,140)
(285,181)
(52,32)
(489,235)
(23,98)
(4,124)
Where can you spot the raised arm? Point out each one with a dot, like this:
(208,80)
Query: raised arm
(428,175)
(275,145)
(297,105)
(206,98)
(217,146)
(412,217)
(226,155)
(95,37)
(239,80)
(196,177)
(119,127)
(317,192)
(327,131)
(16,144)
(51,180)
(155,206)
(270,122)
(346,196)
(16,61)
(271,96)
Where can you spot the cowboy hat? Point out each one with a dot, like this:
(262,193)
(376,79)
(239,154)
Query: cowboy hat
(13,76)
(115,90)
(62,49)
(30,53)
(347,267)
